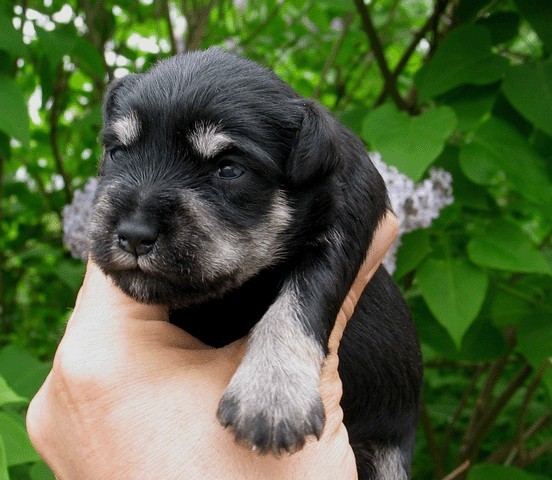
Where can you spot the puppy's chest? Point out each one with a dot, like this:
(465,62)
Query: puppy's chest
(221,321)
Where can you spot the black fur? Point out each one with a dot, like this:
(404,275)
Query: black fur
(286,149)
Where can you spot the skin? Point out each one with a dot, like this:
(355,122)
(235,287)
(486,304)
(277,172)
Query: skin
(131,396)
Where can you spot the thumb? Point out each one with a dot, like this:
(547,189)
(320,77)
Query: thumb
(100,301)
(330,384)
(384,237)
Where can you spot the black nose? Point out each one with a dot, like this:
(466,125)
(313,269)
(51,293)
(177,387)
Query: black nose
(137,235)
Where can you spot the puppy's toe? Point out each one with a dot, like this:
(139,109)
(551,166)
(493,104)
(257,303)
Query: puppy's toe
(276,422)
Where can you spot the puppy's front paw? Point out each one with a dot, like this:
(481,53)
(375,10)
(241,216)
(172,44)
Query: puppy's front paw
(272,415)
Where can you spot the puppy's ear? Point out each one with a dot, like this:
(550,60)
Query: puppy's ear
(117,90)
(316,149)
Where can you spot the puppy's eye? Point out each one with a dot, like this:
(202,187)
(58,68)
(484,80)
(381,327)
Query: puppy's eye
(229,171)
(113,152)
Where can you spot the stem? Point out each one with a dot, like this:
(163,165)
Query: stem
(388,80)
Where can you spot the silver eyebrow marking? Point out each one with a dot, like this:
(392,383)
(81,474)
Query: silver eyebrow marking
(208,140)
(127,128)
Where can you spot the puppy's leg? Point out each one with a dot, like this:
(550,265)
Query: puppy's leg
(388,464)
(273,401)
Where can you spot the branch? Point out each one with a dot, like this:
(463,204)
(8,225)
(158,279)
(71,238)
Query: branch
(388,80)
(197,18)
(59,86)
(534,454)
(347,20)
(4,327)
(492,413)
(431,442)
(458,471)
(482,401)
(509,450)
(419,35)
(365,61)
(529,394)
(165,11)
(259,28)
(484,397)
(459,409)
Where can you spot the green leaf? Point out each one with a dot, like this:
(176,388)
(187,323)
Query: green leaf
(482,341)
(539,15)
(454,291)
(534,338)
(478,166)
(4,475)
(337,5)
(468,9)
(40,471)
(471,103)
(422,138)
(19,449)
(88,58)
(504,246)
(528,88)
(11,39)
(503,26)
(354,118)
(464,57)
(14,119)
(413,249)
(56,44)
(71,274)
(498,148)
(433,336)
(507,309)
(7,395)
(23,372)
(497,472)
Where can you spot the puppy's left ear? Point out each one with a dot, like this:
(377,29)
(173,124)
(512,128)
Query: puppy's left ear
(316,149)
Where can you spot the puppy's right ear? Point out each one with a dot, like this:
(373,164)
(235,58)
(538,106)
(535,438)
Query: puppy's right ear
(116,92)
(316,151)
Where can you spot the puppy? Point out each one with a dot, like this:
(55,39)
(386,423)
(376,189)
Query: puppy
(248,209)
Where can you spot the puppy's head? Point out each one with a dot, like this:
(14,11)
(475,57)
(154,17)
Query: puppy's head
(202,156)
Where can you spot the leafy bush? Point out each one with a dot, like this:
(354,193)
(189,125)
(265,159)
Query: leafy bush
(464,85)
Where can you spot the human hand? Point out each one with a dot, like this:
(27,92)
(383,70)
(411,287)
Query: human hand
(132,396)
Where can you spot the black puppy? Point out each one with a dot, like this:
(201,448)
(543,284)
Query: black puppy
(247,208)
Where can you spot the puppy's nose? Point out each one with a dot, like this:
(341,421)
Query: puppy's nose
(137,236)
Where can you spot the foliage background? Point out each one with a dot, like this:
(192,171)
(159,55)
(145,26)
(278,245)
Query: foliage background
(461,84)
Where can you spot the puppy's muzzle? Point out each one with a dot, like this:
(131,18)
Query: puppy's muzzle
(137,235)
